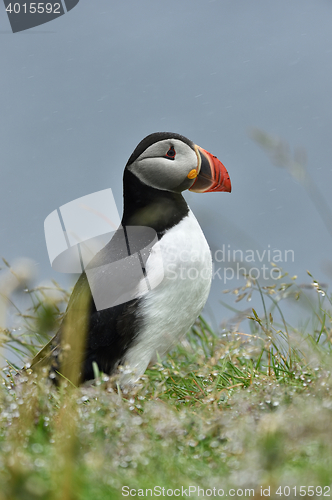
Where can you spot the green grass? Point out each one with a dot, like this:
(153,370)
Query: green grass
(223,410)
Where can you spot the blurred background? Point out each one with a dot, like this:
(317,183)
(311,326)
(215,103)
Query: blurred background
(79,93)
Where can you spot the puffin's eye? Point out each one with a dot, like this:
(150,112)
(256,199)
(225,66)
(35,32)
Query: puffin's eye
(171,153)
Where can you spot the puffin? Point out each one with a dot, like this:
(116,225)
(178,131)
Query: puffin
(143,291)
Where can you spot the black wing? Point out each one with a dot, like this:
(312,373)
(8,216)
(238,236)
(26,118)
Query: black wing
(109,279)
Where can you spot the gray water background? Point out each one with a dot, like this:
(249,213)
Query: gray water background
(77,95)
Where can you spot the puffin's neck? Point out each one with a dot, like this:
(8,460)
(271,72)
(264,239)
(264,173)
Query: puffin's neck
(147,206)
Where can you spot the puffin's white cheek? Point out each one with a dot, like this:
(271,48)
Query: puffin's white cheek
(174,175)
(167,175)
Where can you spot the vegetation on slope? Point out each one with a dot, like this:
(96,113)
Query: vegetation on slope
(224,410)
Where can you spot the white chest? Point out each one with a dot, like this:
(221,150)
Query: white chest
(170,309)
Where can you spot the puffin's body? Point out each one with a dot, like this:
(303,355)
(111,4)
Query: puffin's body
(177,267)
(169,310)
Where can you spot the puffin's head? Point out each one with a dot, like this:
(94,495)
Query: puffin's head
(171,162)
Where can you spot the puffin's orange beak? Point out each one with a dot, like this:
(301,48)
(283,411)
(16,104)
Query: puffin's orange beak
(212,175)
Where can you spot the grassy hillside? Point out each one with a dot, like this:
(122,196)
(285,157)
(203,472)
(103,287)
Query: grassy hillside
(235,414)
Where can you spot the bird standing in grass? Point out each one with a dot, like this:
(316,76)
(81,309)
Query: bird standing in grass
(109,324)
